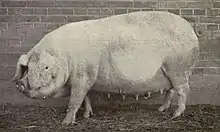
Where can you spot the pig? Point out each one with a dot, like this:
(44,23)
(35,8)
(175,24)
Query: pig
(136,54)
(23,85)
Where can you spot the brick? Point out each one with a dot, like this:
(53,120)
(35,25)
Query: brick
(3,41)
(117,4)
(94,11)
(15,48)
(27,11)
(107,11)
(214,34)
(76,4)
(120,11)
(203,54)
(160,9)
(89,3)
(175,11)
(209,56)
(42,25)
(176,5)
(35,34)
(7,73)
(201,58)
(19,30)
(53,11)
(197,71)
(212,12)
(199,11)
(216,4)
(114,3)
(80,11)
(60,11)
(14,11)
(52,26)
(26,18)
(200,80)
(212,45)
(10,41)
(5,18)
(6,3)
(40,3)
(32,39)
(191,19)
(3,11)
(215,64)
(39,11)
(186,12)
(3,26)
(133,10)
(81,18)
(33,11)
(162,4)
(62,19)
(203,64)
(210,19)
(9,59)
(147,9)
(212,27)
(145,4)
(201,26)
(10,45)
(199,4)
(211,71)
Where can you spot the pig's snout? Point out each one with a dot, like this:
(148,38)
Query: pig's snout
(22,87)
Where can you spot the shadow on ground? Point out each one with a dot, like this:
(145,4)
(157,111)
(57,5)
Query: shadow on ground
(114,117)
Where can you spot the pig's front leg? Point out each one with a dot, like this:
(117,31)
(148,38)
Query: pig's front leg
(88,108)
(77,95)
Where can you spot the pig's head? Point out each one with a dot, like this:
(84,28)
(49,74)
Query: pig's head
(39,75)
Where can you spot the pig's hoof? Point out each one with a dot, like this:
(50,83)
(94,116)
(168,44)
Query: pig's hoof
(67,121)
(87,114)
(176,114)
(162,108)
(179,111)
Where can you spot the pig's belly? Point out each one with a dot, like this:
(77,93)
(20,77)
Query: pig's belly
(117,84)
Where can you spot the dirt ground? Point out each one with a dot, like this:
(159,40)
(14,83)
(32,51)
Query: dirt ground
(130,117)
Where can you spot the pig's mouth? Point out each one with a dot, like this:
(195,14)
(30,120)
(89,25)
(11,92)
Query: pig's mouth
(24,87)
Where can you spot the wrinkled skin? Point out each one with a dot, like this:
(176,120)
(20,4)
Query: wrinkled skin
(137,53)
(23,85)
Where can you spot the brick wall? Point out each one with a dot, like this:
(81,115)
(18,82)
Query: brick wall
(24,22)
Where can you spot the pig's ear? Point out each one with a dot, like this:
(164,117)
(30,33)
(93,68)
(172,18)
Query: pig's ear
(21,69)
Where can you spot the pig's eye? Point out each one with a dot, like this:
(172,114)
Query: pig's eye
(46,67)
(53,77)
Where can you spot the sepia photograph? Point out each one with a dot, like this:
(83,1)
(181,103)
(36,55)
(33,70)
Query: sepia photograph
(110,65)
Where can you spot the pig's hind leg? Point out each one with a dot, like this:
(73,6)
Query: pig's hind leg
(177,73)
(167,100)
(169,93)
(87,107)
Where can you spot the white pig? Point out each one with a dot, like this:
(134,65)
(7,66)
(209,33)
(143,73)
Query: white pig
(136,53)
